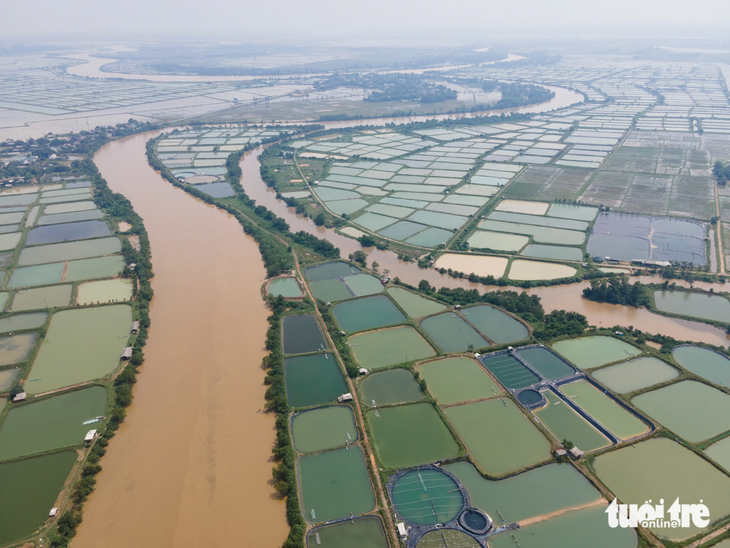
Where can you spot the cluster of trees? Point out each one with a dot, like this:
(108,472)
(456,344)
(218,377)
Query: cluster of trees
(721,173)
(517,95)
(618,290)
(390,87)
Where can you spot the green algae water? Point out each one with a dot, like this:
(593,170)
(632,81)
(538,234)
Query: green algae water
(386,347)
(363,284)
(104,291)
(334,485)
(390,387)
(635,374)
(588,352)
(720,453)
(495,324)
(364,532)
(696,305)
(454,380)
(564,423)
(285,287)
(323,428)
(415,305)
(546,363)
(367,313)
(42,297)
(704,362)
(447,538)
(330,290)
(498,436)
(408,435)
(313,380)
(301,334)
(427,496)
(452,333)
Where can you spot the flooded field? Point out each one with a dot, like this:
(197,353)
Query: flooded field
(495,324)
(104,291)
(389,347)
(589,352)
(427,496)
(452,333)
(499,437)
(364,532)
(635,374)
(324,428)
(704,362)
(566,424)
(454,380)
(390,387)
(313,380)
(697,305)
(409,435)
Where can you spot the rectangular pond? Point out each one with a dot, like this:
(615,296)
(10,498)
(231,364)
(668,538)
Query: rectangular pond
(589,352)
(390,387)
(42,297)
(104,291)
(366,532)
(495,324)
(452,333)
(331,290)
(454,380)
(545,362)
(284,287)
(324,428)
(66,232)
(696,305)
(91,269)
(416,306)
(509,371)
(70,217)
(37,275)
(566,424)
(704,362)
(69,251)
(367,313)
(376,349)
(325,271)
(301,334)
(19,322)
(635,374)
(14,349)
(313,380)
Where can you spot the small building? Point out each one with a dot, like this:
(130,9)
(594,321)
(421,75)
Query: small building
(345,397)
(90,435)
(560,453)
(363,371)
(135,327)
(53,512)
(402,531)
(127,354)
(457,306)
(576,453)
(20,396)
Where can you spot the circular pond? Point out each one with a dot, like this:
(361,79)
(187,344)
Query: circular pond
(427,496)
(475,521)
(529,397)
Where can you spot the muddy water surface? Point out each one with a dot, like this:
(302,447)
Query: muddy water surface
(191,463)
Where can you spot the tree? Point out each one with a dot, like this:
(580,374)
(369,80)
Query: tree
(366,240)
(359,257)
(319,219)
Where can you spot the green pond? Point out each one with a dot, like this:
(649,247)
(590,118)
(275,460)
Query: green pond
(582,528)
(389,347)
(364,532)
(660,468)
(104,291)
(720,453)
(498,241)
(588,352)
(558,252)
(42,297)
(566,424)
(37,275)
(546,363)
(285,287)
(367,313)
(39,482)
(498,436)
(51,423)
(15,348)
(609,414)
(313,380)
(81,345)
(335,485)
(408,435)
(509,371)
(301,334)
(452,333)
(325,271)
(414,305)
(495,324)
(7,378)
(635,374)
(696,305)
(364,284)
(68,208)
(453,380)
(331,290)
(19,322)
(447,538)
(69,250)
(427,496)
(705,363)
(390,387)
(323,428)
(90,269)
(686,407)
(534,493)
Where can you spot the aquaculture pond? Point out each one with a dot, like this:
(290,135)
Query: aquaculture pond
(720,452)
(498,436)
(36,275)
(453,380)
(533,493)
(367,313)
(558,252)
(15,348)
(408,435)
(696,305)
(685,407)
(495,324)
(386,347)
(546,363)
(301,334)
(366,532)
(323,428)
(285,287)
(313,380)
(588,352)
(585,527)
(509,371)
(70,217)
(633,475)
(413,304)
(51,423)
(81,345)
(325,271)
(18,322)
(427,496)
(447,538)
(42,297)
(610,414)
(390,387)
(330,290)
(635,374)
(66,232)
(89,269)
(335,485)
(566,424)
(362,285)
(452,333)
(104,291)
(521,269)
(705,363)
(39,481)
(69,251)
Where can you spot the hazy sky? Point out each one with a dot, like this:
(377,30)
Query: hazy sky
(257,18)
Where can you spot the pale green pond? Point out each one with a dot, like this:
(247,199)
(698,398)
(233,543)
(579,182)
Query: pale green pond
(452,333)
(635,374)
(566,424)
(68,208)
(104,291)
(69,250)
(90,269)
(705,363)
(685,408)
(385,347)
(7,378)
(364,532)
(660,468)
(37,275)
(720,453)
(588,352)
(390,387)
(18,322)
(696,305)
(413,304)
(495,324)
(453,380)
(364,284)
(324,428)
(286,287)
(15,348)
(42,297)
(498,241)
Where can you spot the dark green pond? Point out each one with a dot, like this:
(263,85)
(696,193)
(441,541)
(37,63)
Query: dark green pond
(301,334)
(313,380)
